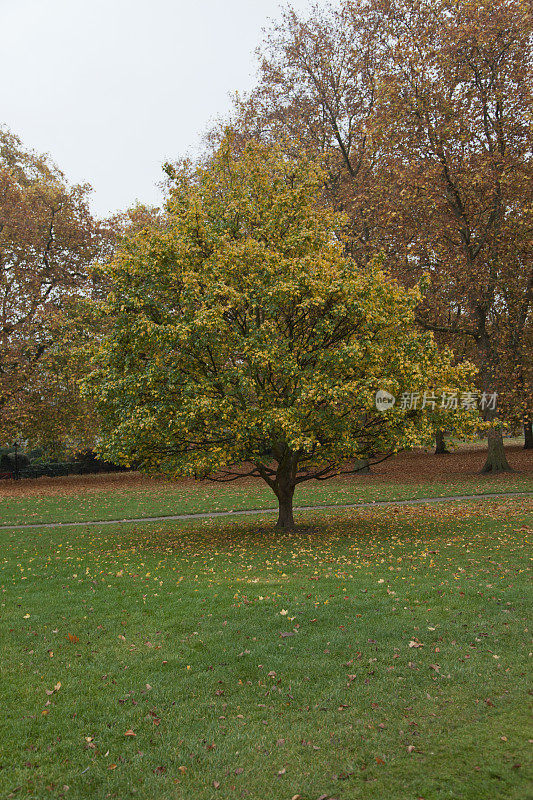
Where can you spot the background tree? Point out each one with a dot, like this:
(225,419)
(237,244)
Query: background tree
(48,243)
(454,124)
(316,94)
(423,112)
(240,333)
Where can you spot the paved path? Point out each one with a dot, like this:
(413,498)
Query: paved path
(247,512)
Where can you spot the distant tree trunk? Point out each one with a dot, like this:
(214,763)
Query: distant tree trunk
(528,435)
(440,443)
(496,458)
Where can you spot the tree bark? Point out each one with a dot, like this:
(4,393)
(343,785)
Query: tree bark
(496,458)
(528,435)
(285,516)
(440,443)
(284,485)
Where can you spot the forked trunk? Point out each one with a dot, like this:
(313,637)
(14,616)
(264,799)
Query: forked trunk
(528,435)
(496,458)
(440,443)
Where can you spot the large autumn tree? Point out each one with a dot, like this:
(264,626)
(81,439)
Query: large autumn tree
(422,111)
(242,341)
(48,243)
(453,120)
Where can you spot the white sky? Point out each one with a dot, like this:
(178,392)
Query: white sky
(113,88)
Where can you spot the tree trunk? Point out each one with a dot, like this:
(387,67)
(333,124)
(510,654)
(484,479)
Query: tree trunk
(440,443)
(285,518)
(528,435)
(496,458)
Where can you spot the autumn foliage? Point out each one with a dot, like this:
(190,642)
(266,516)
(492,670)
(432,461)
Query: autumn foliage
(240,332)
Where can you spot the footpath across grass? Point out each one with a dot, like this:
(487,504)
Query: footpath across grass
(380,654)
(165,499)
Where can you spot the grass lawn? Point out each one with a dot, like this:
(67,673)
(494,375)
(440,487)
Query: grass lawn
(376,654)
(160,499)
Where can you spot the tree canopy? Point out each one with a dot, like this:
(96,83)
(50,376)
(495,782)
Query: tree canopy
(48,242)
(422,111)
(239,332)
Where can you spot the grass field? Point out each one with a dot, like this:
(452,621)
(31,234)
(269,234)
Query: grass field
(172,499)
(128,495)
(375,654)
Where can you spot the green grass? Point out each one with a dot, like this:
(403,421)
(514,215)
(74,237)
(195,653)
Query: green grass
(168,499)
(175,634)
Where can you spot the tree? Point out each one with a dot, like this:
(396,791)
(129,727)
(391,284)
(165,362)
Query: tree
(422,110)
(454,124)
(316,95)
(240,334)
(48,242)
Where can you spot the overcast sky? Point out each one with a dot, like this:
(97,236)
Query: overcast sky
(113,88)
